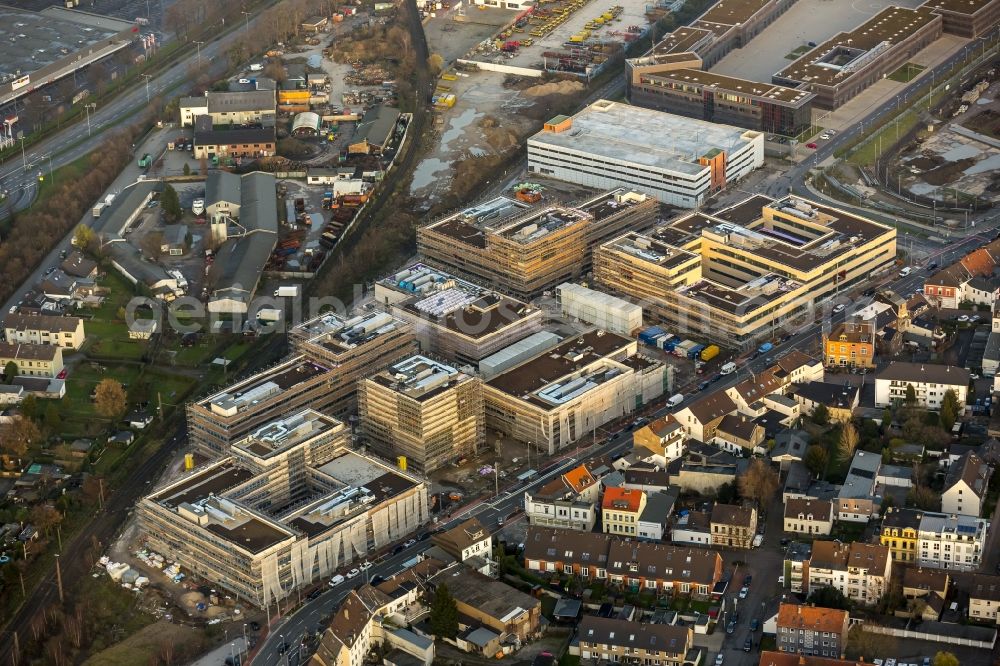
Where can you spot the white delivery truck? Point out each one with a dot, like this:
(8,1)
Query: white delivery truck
(256,67)
(728,368)
(269,314)
(288,291)
(98,209)
(675,400)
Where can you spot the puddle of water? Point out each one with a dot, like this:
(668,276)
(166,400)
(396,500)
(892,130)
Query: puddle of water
(991,163)
(457,125)
(476,151)
(315,61)
(424,174)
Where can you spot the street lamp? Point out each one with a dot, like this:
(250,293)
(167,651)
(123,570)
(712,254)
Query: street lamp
(86,108)
(147,77)
(199,51)
(247,15)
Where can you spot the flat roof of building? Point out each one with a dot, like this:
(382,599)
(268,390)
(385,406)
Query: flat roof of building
(30,40)
(420,378)
(285,433)
(268,382)
(458,305)
(538,380)
(732,12)
(967,7)
(766,91)
(539,223)
(847,51)
(362,480)
(199,484)
(681,40)
(469,226)
(643,136)
(336,334)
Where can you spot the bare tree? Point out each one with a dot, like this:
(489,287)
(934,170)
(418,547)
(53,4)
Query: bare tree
(848,442)
(758,483)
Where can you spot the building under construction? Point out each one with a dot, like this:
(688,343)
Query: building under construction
(526,251)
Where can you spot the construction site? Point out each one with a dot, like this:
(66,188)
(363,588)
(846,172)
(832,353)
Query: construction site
(566,36)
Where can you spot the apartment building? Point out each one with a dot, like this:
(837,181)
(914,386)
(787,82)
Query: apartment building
(701,418)
(565,393)
(375,615)
(290,506)
(849,62)
(217,421)
(966,485)
(950,541)
(453,318)
(790,659)
(930,383)
(984,597)
(568,501)
(796,567)
(856,500)
(610,640)
(812,630)
(746,271)
(859,571)
(621,509)
(253,107)
(642,565)
(355,347)
(32,360)
(248,144)
(425,413)
(850,345)
(900,531)
(808,516)
(733,526)
(525,250)
(466,540)
(659,441)
(65,332)
(682,161)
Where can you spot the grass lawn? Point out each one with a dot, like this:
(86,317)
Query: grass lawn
(906,73)
(569,660)
(798,53)
(146,645)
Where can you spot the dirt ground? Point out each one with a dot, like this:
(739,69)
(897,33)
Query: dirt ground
(488,120)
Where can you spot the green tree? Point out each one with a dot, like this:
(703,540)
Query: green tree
(29,407)
(444,613)
(187,169)
(53,419)
(886,419)
(949,410)
(821,415)
(85,238)
(830,597)
(171,204)
(943,658)
(10,371)
(816,460)
(911,395)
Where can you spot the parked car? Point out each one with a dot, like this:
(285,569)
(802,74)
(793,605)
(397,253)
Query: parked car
(409,543)
(744,591)
(731,627)
(398,549)
(963,318)
(811,145)
(754,624)
(824,137)
(336,580)
(315,593)
(353,573)
(718,659)
(839,308)
(748,644)
(377,580)
(365,566)
(747,580)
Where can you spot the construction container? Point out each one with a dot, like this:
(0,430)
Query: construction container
(709,352)
(695,352)
(648,335)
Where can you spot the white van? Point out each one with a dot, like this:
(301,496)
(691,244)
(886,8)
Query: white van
(728,368)
(336,580)
(675,400)
(905,272)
